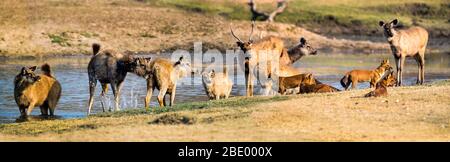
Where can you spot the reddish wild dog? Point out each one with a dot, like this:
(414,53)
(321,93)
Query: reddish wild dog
(294,82)
(411,42)
(254,51)
(108,67)
(381,87)
(32,90)
(317,88)
(373,76)
(217,84)
(162,74)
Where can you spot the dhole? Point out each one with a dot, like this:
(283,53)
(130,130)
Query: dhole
(217,84)
(372,76)
(31,90)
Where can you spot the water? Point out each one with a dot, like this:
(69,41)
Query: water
(72,74)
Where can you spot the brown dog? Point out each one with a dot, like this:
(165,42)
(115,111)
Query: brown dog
(294,82)
(373,76)
(317,88)
(108,67)
(32,90)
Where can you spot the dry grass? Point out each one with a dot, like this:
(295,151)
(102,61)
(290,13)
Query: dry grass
(415,113)
(46,27)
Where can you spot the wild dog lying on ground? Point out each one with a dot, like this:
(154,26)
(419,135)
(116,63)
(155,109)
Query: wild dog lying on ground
(317,88)
(108,67)
(294,82)
(410,42)
(31,90)
(162,74)
(254,53)
(217,84)
(381,87)
(373,76)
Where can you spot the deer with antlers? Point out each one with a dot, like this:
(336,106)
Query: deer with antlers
(264,52)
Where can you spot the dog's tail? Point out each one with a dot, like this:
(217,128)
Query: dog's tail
(344,81)
(46,70)
(95,48)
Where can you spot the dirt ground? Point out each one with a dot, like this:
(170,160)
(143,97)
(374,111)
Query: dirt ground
(42,28)
(413,113)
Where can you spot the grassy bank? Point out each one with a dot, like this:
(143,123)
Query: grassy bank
(334,17)
(46,28)
(414,113)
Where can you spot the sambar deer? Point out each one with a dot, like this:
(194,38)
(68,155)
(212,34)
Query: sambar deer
(410,42)
(270,45)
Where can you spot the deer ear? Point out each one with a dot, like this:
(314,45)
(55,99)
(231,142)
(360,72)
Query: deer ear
(33,68)
(302,40)
(394,22)
(381,23)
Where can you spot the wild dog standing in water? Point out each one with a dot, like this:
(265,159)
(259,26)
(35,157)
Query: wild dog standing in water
(372,76)
(162,74)
(217,84)
(108,67)
(294,82)
(31,90)
(411,42)
(253,54)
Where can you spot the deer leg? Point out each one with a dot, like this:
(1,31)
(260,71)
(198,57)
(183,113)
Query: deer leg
(104,91)
(150,89)
(172,95)
(422,65)
(92,84)
(402,63)
(162,93)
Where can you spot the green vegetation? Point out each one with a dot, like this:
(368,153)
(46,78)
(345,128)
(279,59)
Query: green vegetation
(337,17)
(60,39)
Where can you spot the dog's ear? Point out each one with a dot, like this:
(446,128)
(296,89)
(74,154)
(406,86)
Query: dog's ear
(381,23)
(395,22)
(302,40)
(23,71)
(33,68)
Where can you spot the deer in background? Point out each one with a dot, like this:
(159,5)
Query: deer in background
(410,42)
(253,51)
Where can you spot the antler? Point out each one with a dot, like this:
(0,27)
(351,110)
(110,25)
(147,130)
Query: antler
(232,33)
(251,33)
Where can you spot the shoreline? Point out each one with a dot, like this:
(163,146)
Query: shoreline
(355,118)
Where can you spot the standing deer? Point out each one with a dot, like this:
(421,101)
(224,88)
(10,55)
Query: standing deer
(253,52)
(410,42)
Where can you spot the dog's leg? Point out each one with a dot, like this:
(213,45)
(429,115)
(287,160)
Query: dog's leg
(30,108)
(116,91)
(92,84)
(104,92)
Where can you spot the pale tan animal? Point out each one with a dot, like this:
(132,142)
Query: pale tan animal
(274,48)
(217,84)
(410,42)
(162,74)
